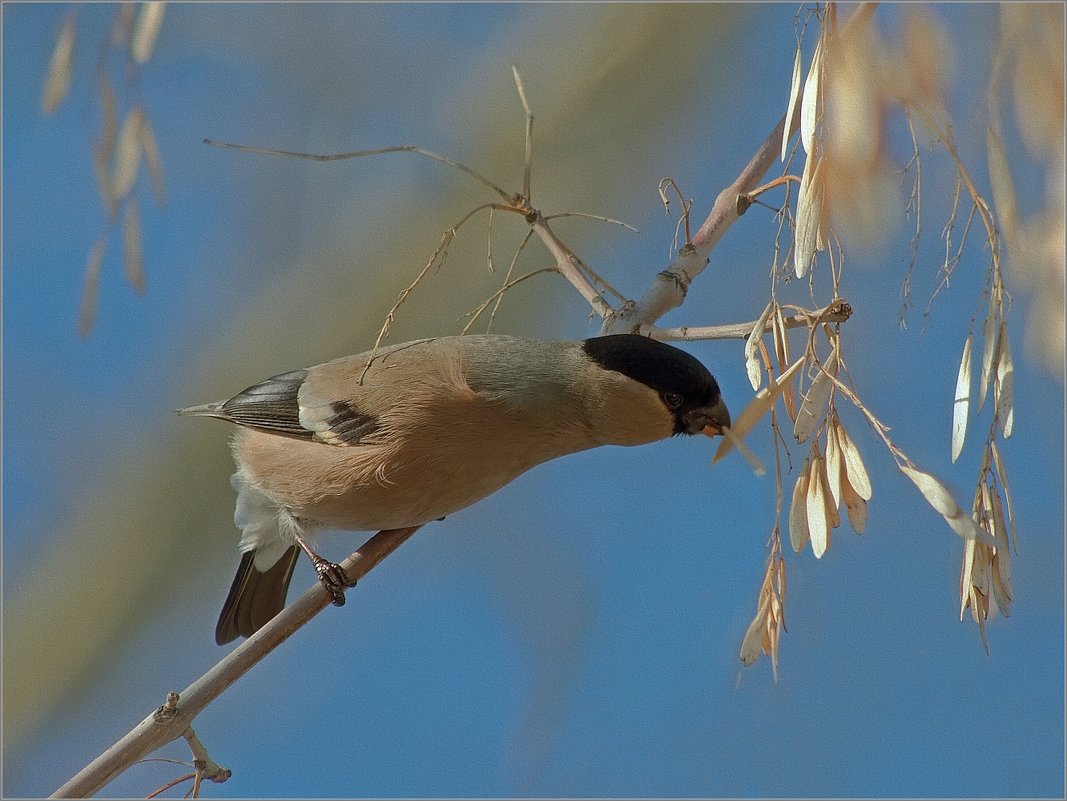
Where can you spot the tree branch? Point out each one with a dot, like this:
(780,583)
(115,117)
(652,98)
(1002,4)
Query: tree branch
(173,719)
(836,312)
(669,287)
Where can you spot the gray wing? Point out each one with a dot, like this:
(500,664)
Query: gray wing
(274,406)
(343,402)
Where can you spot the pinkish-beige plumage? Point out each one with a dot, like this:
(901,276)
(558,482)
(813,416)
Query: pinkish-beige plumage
(429,428)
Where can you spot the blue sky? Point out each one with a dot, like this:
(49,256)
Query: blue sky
(577,633)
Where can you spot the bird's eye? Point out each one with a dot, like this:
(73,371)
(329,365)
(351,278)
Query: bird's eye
(673,399)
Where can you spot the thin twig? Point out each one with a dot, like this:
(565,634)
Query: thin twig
(172,783)
(599,217)
(507,278)
(836,312)
(474,315)
(358,154)
(528,158)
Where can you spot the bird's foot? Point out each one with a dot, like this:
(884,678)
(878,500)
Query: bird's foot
(333,578)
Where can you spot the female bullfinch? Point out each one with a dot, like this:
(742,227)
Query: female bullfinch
(410,433)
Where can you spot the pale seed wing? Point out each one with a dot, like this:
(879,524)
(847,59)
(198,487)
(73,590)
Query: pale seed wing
(989,349)
(752,364)
(1001,596)
(57,84)
(145,30)
(941,499)
(108,115)
(833,517)
(755,410)
(962,405)
(87,311)
(127,154)
(794,93)
(131,240)
(798,510)
(809,211)
(1005,383)
(816,401)
(155,166)
(853,462)
(809,105)
(752,643)
(983,557)
(965,576)
(1001,183)
(818,525)
(103,181)
(1002,475)
(833,465)
(855,506)
(1002,557)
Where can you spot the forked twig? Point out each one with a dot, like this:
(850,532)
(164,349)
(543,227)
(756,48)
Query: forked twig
(474,315)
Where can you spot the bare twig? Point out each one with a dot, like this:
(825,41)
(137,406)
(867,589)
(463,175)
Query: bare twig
(205,766)
(474,315)
(687,207)
(836,312)
(507,278)
(151,734)
(669,287)
(528,158)
(600,217)
(173,783)
(358,154)
(569,265)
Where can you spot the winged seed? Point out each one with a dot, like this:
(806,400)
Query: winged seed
(853,462)
(817,399)
(752,346)
(794,93)
(818,525)
(962,405)
(798,510)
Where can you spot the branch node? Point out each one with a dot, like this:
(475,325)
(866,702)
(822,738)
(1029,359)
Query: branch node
(168,710)
(680,278)
(205,766)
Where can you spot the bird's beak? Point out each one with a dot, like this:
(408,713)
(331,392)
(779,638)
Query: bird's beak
(718,418)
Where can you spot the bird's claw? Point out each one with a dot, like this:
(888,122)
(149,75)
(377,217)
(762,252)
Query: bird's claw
(334,579)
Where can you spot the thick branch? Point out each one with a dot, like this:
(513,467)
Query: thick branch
(669,287)
(170,723)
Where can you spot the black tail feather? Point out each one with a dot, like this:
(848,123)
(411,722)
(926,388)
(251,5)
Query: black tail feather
(254,597)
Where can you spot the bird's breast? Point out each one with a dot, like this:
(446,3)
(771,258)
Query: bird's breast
(428,469)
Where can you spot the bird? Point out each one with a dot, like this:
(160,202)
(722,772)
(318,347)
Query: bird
(409,433)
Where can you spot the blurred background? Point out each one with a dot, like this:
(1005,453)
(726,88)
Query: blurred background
(577,633)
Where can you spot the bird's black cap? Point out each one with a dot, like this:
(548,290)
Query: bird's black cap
(664,368)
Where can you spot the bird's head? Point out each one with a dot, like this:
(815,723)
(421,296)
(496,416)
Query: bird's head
(657,390)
